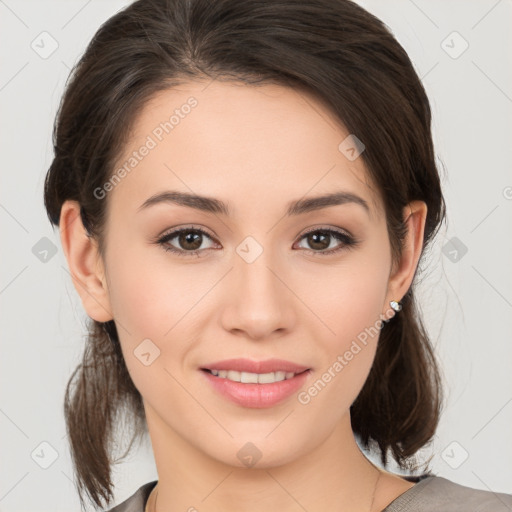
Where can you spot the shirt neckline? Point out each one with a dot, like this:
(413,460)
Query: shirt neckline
(406,497)
(401,500)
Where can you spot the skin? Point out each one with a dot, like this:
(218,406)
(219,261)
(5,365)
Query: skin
(256,148)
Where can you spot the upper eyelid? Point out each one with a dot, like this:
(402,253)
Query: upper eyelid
(335,230)
(175,231)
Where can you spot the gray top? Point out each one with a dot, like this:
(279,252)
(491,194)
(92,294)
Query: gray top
(430,494)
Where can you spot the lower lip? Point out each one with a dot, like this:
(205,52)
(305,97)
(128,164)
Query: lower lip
(257,395)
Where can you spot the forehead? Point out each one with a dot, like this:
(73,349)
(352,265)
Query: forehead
(236,141)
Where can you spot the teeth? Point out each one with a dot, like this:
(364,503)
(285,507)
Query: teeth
(281,376)
(249,378)
(233,375)
(253,378)
(267,378)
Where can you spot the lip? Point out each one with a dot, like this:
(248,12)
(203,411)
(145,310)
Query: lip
(248,365)
(257,396)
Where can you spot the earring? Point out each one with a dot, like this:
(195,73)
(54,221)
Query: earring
(396,305)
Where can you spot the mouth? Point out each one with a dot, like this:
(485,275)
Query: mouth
(256,384)
(253,378)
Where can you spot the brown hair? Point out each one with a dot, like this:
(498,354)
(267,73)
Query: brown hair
(334,49)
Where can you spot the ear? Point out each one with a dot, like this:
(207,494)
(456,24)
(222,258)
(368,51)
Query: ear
(84,262)
(402,275)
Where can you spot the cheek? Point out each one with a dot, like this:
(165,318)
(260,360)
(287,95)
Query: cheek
(147,301)
(145,298)
(156,299)
(145,281)
(349,299)
(352,311)
(139,296)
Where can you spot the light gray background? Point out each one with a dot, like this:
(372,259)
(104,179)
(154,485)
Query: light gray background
(467,298)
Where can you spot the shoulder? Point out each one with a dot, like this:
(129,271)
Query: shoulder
(137,501)
(438,494)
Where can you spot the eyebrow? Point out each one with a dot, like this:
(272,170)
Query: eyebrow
(216,206)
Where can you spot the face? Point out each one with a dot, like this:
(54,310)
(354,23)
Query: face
(251,282)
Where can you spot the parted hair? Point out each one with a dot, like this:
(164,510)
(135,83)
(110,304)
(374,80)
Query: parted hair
(333,49)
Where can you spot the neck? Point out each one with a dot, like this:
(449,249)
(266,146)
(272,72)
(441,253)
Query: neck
(332,476)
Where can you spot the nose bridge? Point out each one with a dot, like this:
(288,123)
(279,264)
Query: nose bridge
(255,271)
(259,301)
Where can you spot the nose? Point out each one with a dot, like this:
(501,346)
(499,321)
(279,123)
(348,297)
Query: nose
(259,304)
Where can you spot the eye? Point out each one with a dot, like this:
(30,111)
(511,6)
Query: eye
(190,240)
(320,239)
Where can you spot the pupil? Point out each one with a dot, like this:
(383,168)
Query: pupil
(319,245)
(189,237)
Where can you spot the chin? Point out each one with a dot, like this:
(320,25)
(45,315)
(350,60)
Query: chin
(258,452)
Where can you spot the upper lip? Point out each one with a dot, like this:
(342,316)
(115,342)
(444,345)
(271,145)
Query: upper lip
(247,365)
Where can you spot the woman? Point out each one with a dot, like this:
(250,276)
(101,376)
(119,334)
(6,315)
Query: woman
(244,190)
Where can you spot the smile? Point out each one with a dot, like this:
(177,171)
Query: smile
(253,378)
(255,384)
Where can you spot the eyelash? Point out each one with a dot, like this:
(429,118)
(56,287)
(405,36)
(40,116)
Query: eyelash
(348,241)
